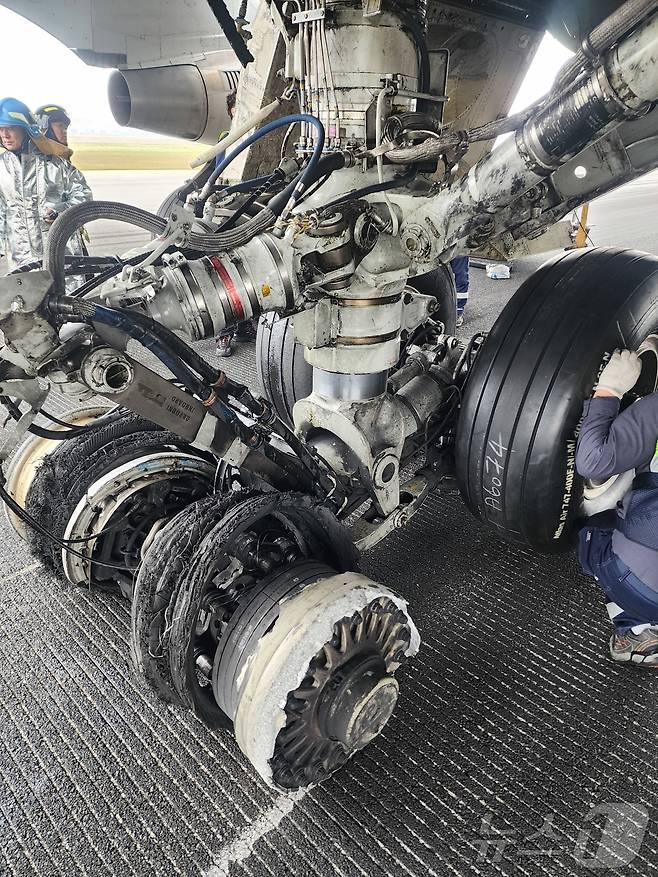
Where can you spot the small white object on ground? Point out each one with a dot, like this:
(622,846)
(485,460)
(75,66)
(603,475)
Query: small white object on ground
(498,272)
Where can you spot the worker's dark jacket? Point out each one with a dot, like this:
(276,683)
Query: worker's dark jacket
(611,443)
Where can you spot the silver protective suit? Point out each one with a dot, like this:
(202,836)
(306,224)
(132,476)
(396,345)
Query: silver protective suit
(30,183)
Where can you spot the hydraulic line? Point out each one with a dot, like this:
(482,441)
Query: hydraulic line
(75,217)
(379,127)
(434,147)
(610,31)
(329,163)
(305,175)
(373,189)
(125,322)
(623,86)
(87,264)
(256,193)
(52,434)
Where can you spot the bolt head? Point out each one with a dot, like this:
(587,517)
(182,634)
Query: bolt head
(17,304)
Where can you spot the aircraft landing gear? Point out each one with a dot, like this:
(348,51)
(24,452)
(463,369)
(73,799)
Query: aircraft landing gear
(247,611)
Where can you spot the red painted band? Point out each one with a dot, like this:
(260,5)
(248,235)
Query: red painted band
(229,286)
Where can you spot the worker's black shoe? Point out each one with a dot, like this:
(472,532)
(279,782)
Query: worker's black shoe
(640,649)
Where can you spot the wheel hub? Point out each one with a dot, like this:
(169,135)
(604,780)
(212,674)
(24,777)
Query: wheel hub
(347,696)
(362,704)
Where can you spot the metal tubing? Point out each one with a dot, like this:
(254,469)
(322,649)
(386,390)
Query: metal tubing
(624,85)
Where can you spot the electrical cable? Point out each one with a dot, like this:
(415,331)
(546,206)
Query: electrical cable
(27,518)
(135,327)
(68,222)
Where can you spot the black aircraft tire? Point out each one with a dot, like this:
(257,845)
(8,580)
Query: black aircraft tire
(64,477)
(284,374)
(521,411)
(282,371)
(441,284)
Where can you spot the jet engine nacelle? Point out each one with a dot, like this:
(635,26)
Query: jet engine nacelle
(178,100)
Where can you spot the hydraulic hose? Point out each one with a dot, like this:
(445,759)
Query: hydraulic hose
(604,35)
(304,177)
(373,189)
(88,263)
(68,223)
(436,146)
(329,163)
(135,329)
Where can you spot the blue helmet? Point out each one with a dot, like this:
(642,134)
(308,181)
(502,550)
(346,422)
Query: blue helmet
(15,112)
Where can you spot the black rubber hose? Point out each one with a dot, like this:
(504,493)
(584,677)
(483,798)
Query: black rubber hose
(371,190)
(254,195)
(225,21)
(195,184)
(57,435)
(179,347)
(334,161)
(87,262)
(150,339)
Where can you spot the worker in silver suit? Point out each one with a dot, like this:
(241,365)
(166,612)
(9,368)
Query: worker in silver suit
(37,183)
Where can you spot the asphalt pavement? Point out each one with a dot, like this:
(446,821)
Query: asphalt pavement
(516,749)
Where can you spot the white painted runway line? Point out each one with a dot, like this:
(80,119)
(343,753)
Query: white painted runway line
(236,852)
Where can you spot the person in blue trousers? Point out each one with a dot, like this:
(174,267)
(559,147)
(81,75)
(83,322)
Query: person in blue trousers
(620,548)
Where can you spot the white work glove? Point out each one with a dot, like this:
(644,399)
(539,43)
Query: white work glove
(621,374)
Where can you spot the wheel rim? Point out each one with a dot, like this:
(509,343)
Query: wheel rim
(256,536)
(23,466)
(311,693)
(121,494)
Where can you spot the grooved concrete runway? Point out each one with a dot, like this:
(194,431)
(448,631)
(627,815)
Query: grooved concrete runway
(513,741)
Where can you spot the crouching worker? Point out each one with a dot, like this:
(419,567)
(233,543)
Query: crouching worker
(37,183)
(620,548)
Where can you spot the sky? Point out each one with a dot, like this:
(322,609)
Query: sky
(37,68)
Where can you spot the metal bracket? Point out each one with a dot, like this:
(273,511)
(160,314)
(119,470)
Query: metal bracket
(30,391)
(367,533)
(308,15)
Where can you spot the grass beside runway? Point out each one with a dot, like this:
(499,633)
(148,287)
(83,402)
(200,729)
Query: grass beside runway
(114,154)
